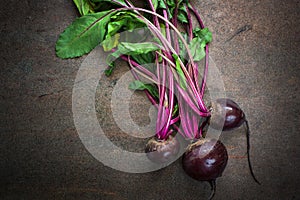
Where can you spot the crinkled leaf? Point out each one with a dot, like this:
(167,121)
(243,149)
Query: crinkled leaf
(84,6)
(131,49)
(144,58)
(138,85)
(171,4)
(83,35)
(136,48)
(182,17)
(139,51)
(161,4)
(197,49)
(182,14)
(111,42)
(121,21)
(118,2)
(203,36)
(125,21)
(91,6)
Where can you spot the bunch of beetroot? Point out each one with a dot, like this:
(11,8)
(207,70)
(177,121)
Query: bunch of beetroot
(169,61)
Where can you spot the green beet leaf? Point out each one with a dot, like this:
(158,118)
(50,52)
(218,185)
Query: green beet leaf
(118,2)
(137,48)
(83,35)
(141,52)
(155,3)
(175,110)
(131,49)
(145,58)
(84,6)
(110,69)
(171,5)
(203,36)
(161,4)
(125,21)
(139,85)
(183,53)
(110,42)
(182,81)
(121,21)
(182,14)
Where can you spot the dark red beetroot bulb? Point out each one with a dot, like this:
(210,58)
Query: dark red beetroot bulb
(226,115)
(205,160)
(161,151)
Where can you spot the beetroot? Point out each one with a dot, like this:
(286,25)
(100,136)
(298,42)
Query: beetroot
(161,151)
(227,115)
(205,160)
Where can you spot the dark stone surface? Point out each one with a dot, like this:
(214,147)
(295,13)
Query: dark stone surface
(42,156)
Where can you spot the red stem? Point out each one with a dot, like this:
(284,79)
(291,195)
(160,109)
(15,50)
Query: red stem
(204,78)
(155,18)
